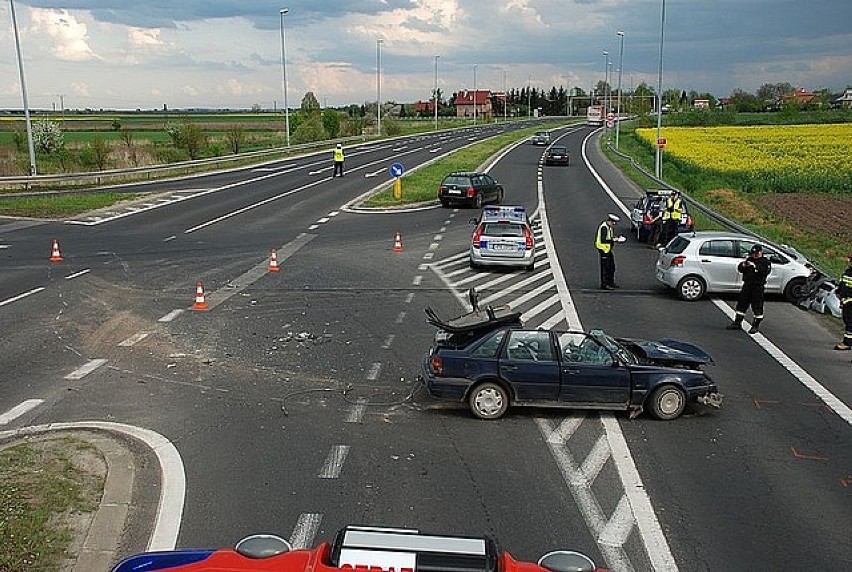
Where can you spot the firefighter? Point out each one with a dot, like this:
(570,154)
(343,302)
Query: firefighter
(604,239)
(844,292)
(754,269)
(672,212)
(338,160)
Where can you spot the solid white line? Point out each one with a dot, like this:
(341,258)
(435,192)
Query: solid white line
(76,274)
(86,369)
(171,316)
(19,410)
(334,462)
(172,475)
(19,296)
(305,530)
(806,379)
(134,339)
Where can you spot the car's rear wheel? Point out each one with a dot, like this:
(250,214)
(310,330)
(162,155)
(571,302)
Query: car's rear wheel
(499,197)
(795,290)
(667,402)
(477,201)
(691,288)
(488,400)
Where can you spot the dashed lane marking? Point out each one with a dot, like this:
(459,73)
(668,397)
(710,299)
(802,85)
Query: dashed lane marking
(171,316)
(334,462)
(21,296)
(86,369)
(305,530)
(19,410)
(78,274)
(134,339)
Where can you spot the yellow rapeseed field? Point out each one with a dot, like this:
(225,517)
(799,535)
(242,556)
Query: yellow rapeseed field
(781,158)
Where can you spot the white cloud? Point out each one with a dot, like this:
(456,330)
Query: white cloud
(69,38)
(80,89)
(140,37)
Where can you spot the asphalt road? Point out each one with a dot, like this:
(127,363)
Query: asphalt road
(293,400)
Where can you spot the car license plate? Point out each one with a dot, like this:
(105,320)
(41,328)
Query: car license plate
(453,191)
(503,247)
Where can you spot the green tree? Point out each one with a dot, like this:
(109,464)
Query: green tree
(47,136)
(189,137)
(391,126)
(744,101)
(310,105)
(310,130)
(331,122)
(96,154)
(236,137)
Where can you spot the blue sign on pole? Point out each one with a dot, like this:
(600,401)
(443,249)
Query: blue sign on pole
(396,170)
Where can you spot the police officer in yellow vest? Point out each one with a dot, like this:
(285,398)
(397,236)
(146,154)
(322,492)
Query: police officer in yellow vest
(338,160)
(844,292)
(604,239)
(672,212)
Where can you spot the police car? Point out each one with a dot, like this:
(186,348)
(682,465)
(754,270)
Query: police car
(359,548)
(503,237)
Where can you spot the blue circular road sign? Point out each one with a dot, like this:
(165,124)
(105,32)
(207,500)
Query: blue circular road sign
(396,170)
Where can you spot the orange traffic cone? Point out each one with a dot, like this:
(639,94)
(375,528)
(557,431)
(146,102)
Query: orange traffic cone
(54,255)
(397,243)
(200,304)
(273,262)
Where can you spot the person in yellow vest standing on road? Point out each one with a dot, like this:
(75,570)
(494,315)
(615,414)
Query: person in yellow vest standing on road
(604,239)
(844,292)
(672,212)
(338,160)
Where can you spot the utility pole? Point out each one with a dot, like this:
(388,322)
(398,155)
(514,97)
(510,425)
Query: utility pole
(33,169)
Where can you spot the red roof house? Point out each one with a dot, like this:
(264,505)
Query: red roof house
(464,103)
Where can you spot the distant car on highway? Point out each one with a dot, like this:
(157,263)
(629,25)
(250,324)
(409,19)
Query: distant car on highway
(571,369)
(358,548)
(701,262)
(503,237)
(540,138)
(648,207)
(469,189)
(556,155)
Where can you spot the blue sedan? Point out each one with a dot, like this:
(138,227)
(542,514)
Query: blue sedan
(511,366)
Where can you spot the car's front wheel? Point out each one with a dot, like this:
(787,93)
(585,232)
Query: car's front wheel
(488,400)
(667,402)
(691,288)
(795,290)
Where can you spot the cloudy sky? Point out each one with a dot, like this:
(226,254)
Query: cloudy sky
(122,54)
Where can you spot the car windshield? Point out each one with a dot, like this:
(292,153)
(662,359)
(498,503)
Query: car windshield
(456,180)
(503,229)
(542,133)
(677,245)
(613,346)
(558,150)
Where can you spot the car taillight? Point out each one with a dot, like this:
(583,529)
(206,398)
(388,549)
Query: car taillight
(677,261)
(437,364)
(647,219)
(476,235)
(529,238)
(470,192)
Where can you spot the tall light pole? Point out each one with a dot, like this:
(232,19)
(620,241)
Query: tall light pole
(620,33)
(33,170)
(529,97)
(658,160)
(474,94)
(436,92)
(379,85)
(282,13)
(606,83)
(505,97)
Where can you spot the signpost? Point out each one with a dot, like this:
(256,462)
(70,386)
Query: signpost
(610,120)
(661,142)
(396,170)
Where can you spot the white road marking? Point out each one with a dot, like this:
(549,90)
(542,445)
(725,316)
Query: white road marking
(76,274)
(323,220)
(313,227)
(171,316)
(305,531)
(539,308)
(409,297)
(374,371)
(5,246)
(429,256)
(86,369)
(434,246)
(334,462)
(333,213)
(169,238)
(423,267)
(388,341)
(134,339)
(356,412)
(20,296)
(400,317)
(438,236)
(19,410)
(417,280)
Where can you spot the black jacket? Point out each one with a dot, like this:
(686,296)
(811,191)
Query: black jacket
(756,272)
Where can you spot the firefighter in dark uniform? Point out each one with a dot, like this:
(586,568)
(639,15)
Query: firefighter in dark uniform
(338,161)
(754,269)
(672,212)
(604,239)
(844,292)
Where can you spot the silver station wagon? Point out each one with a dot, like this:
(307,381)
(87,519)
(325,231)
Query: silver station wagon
(700,262)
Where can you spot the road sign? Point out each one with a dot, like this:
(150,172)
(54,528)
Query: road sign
(396,170)
(661,142)
(610,116)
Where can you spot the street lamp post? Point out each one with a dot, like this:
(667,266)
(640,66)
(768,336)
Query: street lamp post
(505,97)
(474,94)
(436,92)
(282,13)
(33,169)
(529,97)
(606,83)
(620,33)
(658,160)
(379,85)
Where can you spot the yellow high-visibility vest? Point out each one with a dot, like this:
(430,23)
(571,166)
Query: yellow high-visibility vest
(673,209)
(338,154)
(846,285)
(604,247)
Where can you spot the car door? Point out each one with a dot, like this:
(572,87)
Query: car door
(489,188)
(591,375)
(529,365)
(718,259)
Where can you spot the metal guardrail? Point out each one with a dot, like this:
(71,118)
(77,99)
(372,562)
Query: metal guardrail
(711,214)
(147,173)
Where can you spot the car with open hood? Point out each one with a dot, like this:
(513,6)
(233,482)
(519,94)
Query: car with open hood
(502,365)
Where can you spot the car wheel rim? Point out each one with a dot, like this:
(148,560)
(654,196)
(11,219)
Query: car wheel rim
(691,290)
(489,402)
(670,402)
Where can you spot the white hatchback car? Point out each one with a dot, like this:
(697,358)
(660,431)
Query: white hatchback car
(700,262)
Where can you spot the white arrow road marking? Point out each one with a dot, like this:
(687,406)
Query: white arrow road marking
(316,172)
(374,173)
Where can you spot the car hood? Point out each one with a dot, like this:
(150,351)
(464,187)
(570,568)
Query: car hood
(668,351)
